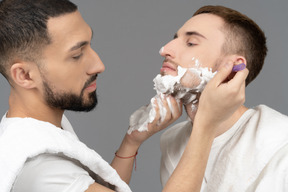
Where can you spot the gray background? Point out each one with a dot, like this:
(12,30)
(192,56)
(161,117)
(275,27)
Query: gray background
(128,35)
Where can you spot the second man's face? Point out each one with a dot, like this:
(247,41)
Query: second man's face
(198,43)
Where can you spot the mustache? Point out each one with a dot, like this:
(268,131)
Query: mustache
(93,78)
(170,61)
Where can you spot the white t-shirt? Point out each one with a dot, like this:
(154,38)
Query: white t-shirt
(251,156)
(48,172)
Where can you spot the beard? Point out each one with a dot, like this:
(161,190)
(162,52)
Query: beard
(70,101)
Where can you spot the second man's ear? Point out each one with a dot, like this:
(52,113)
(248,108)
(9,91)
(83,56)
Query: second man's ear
(239,60)
(239,64)
(235,59)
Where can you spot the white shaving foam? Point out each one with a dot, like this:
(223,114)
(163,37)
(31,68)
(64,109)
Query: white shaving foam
(146,114)
(197,63)
(165,85)
(161,50)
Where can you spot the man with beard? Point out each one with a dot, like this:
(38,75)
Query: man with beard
(48,61)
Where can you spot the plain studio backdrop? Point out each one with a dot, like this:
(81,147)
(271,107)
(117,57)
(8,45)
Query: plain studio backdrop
(127,36)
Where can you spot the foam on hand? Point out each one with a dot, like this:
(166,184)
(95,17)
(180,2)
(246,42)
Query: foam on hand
(146,114)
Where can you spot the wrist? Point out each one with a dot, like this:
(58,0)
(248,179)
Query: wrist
(126,157)
(128,147)
(204,129)
(133,139)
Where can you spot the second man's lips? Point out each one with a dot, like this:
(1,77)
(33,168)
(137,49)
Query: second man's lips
(168,65)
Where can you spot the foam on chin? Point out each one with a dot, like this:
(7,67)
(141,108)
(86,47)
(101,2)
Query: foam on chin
(165,84)
(170,85)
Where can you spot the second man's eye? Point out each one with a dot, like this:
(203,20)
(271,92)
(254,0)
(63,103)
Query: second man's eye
(189,44)
(77,56)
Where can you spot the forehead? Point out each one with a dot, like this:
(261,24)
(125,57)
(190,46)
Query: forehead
(68,29)
(208,25)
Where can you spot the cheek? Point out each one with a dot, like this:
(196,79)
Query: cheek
(195,58)
(189,61)
(194,61)
(70,81)
(209,59)
(64,75)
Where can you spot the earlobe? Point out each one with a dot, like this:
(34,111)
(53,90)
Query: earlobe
(21,75)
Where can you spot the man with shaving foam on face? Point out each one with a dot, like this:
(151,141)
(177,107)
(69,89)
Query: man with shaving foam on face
(249,150)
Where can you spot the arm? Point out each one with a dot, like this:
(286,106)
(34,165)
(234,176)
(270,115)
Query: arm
(189,173)
(133,141)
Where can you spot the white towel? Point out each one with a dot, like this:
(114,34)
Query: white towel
(22,138)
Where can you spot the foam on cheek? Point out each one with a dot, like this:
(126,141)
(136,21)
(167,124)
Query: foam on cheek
(197,63)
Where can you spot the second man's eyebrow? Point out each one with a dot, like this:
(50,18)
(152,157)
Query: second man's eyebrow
(78,45)
(190,33)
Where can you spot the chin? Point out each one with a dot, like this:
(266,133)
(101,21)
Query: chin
(164,73)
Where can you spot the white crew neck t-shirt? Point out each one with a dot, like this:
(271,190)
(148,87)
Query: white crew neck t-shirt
(251,156)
